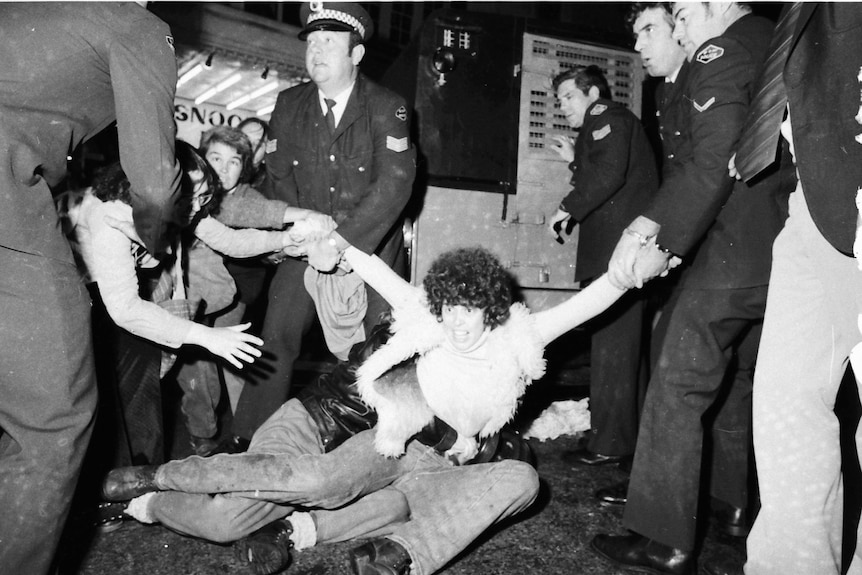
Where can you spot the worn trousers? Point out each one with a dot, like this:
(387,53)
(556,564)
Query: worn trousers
(704,329)
(815,298)
(47,402)
(355,491)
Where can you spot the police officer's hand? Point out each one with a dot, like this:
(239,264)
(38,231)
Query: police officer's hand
(323,256)
(731,168)
(649,263)
(556,221)
(565,147)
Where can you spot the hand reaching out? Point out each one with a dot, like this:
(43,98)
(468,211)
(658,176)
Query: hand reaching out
(230,343)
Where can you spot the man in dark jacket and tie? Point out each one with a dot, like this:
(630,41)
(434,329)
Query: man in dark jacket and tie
(340,145)
(815,292)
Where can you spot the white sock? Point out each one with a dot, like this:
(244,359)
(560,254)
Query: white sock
(139,508)
(304,531)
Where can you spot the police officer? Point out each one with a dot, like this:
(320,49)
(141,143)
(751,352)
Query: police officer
(614,177)
(724,233)
(67,72)
(339,145)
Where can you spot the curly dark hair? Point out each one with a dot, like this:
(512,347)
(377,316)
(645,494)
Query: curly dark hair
(471,277)
(111,183)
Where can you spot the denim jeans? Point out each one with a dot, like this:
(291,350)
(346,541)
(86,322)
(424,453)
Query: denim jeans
(355,491)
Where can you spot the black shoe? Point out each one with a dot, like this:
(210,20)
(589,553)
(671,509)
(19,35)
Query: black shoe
(724,566)
(231,445)
(124,483)
(586,457)
(615,494)
(644,555)
(729,519)
(267,550)
(380,557)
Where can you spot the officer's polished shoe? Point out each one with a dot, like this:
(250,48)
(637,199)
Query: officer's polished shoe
(380,557)
(637,553)
(231,445)
(614,494)
(125,483)
(586,457)
(729,519)
(267,550)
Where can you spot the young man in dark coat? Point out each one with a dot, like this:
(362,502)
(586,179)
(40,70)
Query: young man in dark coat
(723,233)
(614,177)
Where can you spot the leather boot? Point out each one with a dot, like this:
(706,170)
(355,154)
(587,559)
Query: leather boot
(267,550)
(124,483)
(380,557)
(644,555)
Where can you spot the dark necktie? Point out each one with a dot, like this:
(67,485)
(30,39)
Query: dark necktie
(330,117)
(758,145)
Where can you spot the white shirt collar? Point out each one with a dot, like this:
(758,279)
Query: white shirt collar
(340,102)
(671,78)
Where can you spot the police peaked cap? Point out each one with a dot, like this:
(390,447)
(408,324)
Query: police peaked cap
(335,16)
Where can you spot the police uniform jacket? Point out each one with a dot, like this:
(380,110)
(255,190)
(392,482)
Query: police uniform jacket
(361,175)
(614,177)
(68,71)
(722,228)
(827,59)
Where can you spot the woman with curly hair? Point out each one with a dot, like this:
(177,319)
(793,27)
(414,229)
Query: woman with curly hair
(474,350)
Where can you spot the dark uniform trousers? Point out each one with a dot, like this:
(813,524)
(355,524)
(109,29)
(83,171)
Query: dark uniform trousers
(47,402)
(703,329)
(617,376)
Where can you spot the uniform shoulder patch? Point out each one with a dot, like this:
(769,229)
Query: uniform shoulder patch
(170,41)
(401,114)
(710,53)
(598,109)
(601,132)
(397,144)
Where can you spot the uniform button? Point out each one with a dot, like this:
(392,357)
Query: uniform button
(296,162)
(677,133)
(670,156)
(332,158)
(361,168)
(332,189)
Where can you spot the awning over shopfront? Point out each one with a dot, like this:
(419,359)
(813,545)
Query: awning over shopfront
(231,64)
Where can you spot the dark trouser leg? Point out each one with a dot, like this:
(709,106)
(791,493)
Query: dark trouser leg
(731,427)
(290,313)
(664,488)
(47,401)
(617,377)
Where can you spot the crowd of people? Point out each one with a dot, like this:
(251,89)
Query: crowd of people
(718,274)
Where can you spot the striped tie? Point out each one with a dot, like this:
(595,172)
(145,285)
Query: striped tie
(758,146)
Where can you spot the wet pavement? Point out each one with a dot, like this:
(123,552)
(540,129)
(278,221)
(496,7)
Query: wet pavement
(550,538)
